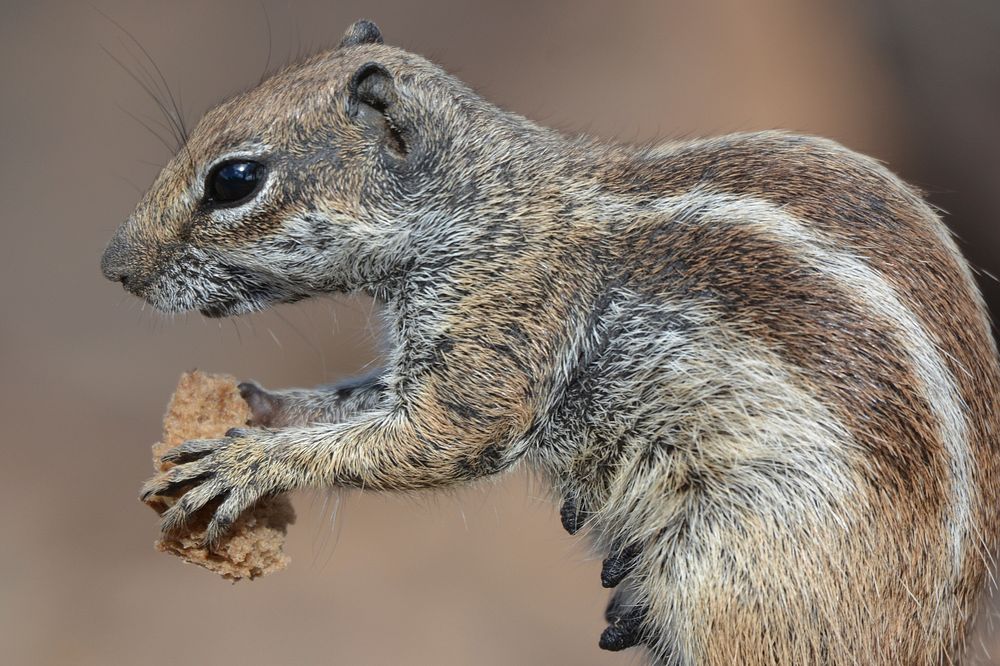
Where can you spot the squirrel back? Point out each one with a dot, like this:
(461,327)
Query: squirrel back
(756,367)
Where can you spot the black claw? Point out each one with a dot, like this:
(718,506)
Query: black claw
(181,456)
(624,631)
(171,456)
(619,564)
(572,517)
(175,488)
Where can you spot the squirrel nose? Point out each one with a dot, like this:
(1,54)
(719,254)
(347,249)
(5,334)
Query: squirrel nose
(114,262)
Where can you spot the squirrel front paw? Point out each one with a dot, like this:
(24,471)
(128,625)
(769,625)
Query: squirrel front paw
(236,471)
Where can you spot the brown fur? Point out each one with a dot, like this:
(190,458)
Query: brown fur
(756,366)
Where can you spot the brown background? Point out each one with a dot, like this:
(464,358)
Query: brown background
(480,576)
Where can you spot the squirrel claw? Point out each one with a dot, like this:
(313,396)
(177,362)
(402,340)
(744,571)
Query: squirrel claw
(619,564)
(236,471)
(190,451)
(625,629)
(171,482)
(571,516)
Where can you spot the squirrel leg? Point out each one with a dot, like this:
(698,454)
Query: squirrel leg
(380,450)
(329,403)
(465,420)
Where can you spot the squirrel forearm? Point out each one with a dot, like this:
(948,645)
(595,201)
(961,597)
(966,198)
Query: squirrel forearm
(384,450)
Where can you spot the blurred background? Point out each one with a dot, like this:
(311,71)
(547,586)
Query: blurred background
(480,576)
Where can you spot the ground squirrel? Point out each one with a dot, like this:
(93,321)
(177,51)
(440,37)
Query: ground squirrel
(756,367)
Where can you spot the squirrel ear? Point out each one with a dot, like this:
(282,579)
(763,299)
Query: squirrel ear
(372,99)
(361,32)
(371,84)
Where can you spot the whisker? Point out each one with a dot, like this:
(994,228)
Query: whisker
(316,545)
(148,127)
(312,345)
(176,117)
(249,323)
(336,527)
(142,84)
(150,80)
(267,63)
(275,338)
(237,329)
(126,180)
(155,121)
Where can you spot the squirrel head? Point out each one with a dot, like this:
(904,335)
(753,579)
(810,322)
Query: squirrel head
(302,185)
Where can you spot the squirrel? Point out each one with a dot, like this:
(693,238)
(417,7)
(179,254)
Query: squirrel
(756,368)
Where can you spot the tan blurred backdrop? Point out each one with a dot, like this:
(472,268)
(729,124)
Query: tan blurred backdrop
(481,576)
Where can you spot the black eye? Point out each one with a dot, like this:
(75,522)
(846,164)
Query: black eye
(233,182)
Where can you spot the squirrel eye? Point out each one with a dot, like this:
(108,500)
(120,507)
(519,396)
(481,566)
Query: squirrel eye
(234,182)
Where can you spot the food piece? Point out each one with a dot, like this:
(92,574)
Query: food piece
(205,406)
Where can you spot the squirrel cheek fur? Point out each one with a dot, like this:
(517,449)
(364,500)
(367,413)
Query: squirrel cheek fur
(756,368)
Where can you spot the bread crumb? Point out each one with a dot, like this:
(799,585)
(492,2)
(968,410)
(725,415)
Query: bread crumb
(205,406)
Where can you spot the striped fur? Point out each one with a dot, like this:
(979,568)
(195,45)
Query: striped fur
(756,367)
